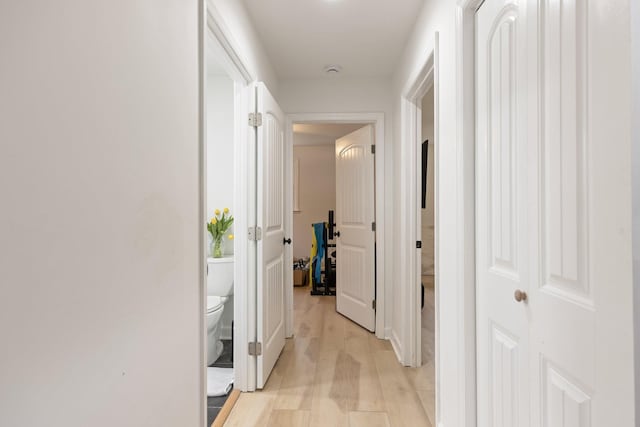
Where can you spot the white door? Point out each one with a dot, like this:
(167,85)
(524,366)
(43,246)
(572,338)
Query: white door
(554,311)
(270,220)
(355,216)
(502,223)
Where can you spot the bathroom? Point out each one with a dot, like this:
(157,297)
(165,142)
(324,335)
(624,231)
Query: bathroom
(220,214)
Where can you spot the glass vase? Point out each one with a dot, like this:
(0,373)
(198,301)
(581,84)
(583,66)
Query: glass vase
(217,247)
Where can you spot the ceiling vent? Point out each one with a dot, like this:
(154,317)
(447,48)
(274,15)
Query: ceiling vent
(332,69)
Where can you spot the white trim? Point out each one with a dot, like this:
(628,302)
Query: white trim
(202,209)
(635,182)
(465,119)
(244,266)
(232,61)
(395,342)
(377,119)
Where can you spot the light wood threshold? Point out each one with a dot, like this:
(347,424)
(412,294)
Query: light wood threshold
(226,408)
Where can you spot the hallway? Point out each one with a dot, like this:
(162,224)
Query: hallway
(334,373)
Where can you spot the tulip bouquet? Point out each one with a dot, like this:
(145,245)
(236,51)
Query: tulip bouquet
(218,226)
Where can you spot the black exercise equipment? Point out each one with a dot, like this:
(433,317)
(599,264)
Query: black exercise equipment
(328,285)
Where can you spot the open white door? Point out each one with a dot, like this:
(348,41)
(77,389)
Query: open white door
(554,291)
(270,233)
(355,237)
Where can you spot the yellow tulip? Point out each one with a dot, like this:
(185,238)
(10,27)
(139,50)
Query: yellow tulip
(214,221)
(217,212)
(226,210)
(230,236)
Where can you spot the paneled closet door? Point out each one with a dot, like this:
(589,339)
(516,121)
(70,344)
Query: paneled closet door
(554,288)
(502,268)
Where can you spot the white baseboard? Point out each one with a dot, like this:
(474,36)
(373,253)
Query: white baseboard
(397,348)
(387,333)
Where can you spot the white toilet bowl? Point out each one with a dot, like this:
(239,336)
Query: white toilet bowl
(219,288)
(215,308)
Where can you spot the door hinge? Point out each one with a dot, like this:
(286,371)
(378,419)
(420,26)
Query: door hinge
(255,349)
(373,149)
(373,226)
(418,244)
(255,119)
(373,305)
(255,234)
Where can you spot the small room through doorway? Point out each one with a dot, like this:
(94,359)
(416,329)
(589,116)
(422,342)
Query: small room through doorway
(359,184)
(220,203)
(427,232)
(314,205)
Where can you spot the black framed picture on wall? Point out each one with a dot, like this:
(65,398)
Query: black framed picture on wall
(425,158)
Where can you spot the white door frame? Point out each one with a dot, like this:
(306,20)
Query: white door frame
(244,203)
(635,180)
(410,345)
(466,143)
(377,120)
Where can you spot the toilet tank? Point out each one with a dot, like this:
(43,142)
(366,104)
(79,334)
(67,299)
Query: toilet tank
(220,276)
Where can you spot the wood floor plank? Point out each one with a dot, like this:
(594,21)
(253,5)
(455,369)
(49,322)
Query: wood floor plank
(251,409)
(296,388)
(428,400)
(368,419)
(402,401)
(369,391)
(326,412)
(405,409)
(422,378)
(376,344)
(287,418)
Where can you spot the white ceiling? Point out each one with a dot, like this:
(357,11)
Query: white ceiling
(321,133)
(365,37)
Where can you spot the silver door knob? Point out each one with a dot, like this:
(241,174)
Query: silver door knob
(520,295)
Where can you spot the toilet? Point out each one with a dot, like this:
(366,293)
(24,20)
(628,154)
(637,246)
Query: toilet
(219,288)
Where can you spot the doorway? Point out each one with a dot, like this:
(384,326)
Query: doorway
(334,244)
(339,122)
(221,212)
(419,164)
(225,161)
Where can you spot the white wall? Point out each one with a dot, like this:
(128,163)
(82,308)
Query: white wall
(427,223)
(317,189)
(100,227)
(635,181)
(220,144)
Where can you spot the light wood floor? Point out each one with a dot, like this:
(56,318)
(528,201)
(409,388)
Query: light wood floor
(334,373)
(428,321)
